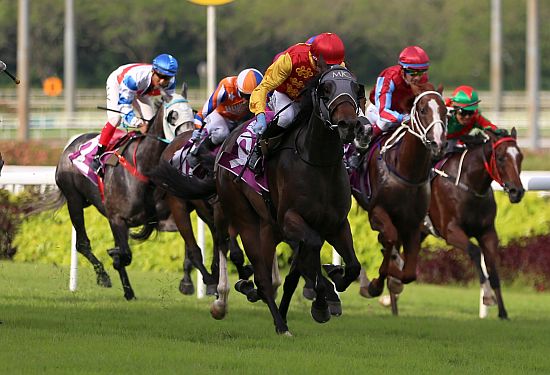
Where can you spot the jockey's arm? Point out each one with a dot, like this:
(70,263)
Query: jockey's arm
(484,123)
(218,96)
(126,96)
(383,100)
(274,76)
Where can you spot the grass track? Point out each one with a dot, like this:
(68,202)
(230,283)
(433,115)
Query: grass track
(48,330)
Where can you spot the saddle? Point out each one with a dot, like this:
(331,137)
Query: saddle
(120,144)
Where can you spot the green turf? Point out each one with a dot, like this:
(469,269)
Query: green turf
(48,330)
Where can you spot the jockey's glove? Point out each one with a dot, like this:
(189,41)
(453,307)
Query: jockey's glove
(260,125)
(197,135)
(406,118)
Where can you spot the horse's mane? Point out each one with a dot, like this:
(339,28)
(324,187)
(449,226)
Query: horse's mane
(473,140)
(422,87)
(306,102)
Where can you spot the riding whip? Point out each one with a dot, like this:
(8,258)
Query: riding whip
(4,69)
(117,111)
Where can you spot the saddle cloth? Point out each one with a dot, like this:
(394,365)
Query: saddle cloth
(235,160)
(83,156)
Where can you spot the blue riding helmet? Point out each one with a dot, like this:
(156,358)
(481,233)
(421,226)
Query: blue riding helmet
(165,64)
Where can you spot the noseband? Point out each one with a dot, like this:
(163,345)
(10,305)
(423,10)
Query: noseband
(491,165)
(343,81)
(416,128)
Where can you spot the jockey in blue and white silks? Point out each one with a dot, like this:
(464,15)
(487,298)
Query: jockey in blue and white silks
(131,90)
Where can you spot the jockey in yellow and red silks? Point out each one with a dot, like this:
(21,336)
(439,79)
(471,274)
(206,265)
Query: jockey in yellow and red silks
(288,75)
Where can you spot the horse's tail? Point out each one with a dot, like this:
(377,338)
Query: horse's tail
(186,187)
(145,232)
(52,200)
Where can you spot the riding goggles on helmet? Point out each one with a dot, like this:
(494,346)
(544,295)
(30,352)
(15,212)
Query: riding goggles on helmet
(464,112)
(415,73)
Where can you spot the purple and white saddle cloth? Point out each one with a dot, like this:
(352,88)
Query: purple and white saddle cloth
(235,160)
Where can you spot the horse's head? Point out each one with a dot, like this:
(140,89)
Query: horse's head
(504,165)
(178,117)
(429,118)
(338,100)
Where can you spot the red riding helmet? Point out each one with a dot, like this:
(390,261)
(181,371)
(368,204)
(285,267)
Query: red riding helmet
(415,58)
(330,46)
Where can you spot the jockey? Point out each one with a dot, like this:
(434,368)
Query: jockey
(131,89)
(224,110)
(287,76)
(392,85)
(464,116)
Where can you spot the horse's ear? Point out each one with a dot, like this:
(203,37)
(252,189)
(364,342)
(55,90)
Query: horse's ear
(440,89)
(322,64)
(184,89)
(513,133)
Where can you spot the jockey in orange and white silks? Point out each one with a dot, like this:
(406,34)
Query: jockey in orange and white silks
(228,105)
(131,90)
(288,75)
(392,85)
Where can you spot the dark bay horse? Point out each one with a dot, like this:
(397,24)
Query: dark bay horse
(130,200)
(399,191)
(463,205)
(309,194)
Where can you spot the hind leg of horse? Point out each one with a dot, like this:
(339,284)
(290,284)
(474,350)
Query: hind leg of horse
(121,254)
(83,246)
(489,245)
(387,236)
(186,286)
(180,212)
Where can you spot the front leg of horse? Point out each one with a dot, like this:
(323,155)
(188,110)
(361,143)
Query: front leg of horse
(120,261)
(236,255)
(102,277)
(289,287)
(489,244)
(342,242)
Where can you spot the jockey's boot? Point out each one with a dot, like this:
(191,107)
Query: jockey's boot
(255,160)
(96,164)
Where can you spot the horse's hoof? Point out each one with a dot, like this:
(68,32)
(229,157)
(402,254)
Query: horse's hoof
(395,285)
(364,292)
(332,270)
(129,296)
(489,300)
(218,310)
(373,290)
(285,333)
(385,300)
(212,289)
(335,308)
(247,271)
(186,288)
(103,280)
(320,315)
(309,293)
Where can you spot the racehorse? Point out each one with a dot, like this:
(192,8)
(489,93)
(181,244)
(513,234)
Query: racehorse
(309,198)
(168,177)
(397,191)
(130,200)
(463,206)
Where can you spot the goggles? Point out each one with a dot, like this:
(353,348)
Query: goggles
(162,76)
(415,73)
(465,112)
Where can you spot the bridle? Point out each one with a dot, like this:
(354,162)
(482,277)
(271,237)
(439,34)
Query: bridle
(343,79)
(416,127)
(491,164)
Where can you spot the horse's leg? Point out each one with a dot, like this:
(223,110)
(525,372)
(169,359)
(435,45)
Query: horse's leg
(83,246)
(276,279)
(121,254)
(342,242)
(489,245)
(236,255)
(263,266)
(180,212)
(291,282)
(218,308)
(186,286)
(308,261)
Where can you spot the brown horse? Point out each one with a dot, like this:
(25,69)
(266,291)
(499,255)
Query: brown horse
(309,198)
(463,205)
(399,193)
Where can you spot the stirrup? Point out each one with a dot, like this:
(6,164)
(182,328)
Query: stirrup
(255,161)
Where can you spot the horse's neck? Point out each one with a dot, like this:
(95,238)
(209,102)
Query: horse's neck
(318,144)
(472,171)
(150,146)
(412,160)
